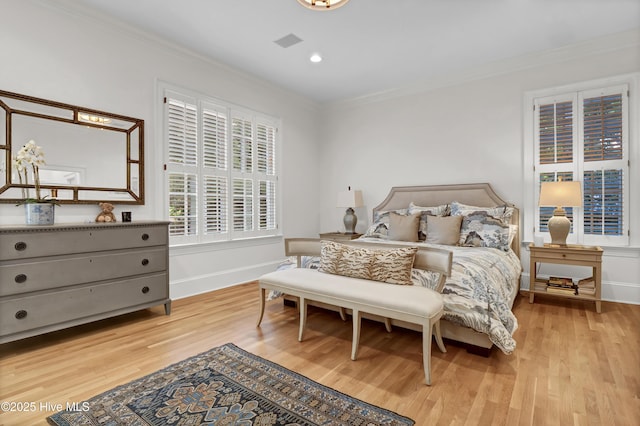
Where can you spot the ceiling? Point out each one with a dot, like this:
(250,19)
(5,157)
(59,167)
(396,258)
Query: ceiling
(368,46)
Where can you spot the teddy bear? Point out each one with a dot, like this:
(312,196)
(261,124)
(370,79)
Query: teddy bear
(106,214)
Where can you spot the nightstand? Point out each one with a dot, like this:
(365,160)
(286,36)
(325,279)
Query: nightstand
(570,255)
(339,236)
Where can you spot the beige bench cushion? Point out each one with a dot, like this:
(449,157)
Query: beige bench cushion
(415,301)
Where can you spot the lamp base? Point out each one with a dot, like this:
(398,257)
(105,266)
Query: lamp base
(350,220)
(559,226)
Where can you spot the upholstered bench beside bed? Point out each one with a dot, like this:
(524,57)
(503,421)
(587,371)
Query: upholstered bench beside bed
(413,304)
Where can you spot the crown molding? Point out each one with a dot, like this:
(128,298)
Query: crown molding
(88,14)
(597,46)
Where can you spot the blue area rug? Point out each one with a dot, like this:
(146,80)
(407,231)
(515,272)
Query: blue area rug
(226,386)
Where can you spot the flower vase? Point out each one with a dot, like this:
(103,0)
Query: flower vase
(39,213)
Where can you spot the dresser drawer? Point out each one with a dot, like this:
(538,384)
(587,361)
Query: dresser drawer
(40,274)
(60,241)
(18,314)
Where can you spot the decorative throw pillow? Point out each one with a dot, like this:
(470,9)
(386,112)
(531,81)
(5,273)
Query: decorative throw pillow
(394,266)
(443,230)
(383,215)
(388,265)
(404,228)
(380,227)
(330,255)
(356,262)
(442,210)
(378,230)
(503,213)
(483,230)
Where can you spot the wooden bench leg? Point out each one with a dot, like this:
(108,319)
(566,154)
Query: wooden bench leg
(438,335)
(262,295)
(303,317)
(427,330)
(357,319)
(343,314)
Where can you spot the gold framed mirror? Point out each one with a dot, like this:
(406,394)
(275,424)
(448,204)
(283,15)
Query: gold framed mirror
(91,156)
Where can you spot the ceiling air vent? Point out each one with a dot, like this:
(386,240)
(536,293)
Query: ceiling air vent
(288,40)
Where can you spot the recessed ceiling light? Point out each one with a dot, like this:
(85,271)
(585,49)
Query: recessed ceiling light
(315,58)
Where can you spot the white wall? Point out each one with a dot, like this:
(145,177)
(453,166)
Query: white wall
(61,55)
(470,129)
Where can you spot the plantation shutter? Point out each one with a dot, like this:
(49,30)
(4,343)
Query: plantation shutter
(556,147)
(605,164)
(266,166)
(221,170)
(181,131)
(215,179)
(582,136)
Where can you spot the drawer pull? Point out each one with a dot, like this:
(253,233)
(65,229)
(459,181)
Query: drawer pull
(20,278)
(21,246)
(21,314)
(145,262)
(145,289)
(145,237)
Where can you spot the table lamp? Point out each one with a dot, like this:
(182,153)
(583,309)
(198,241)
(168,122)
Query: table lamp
(560,194)
(350,199)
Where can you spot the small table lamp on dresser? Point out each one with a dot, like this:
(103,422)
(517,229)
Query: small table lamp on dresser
(350,199)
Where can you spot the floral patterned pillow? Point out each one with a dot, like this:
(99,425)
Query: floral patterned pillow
(480,229)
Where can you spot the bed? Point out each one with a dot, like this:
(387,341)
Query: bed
(481,291)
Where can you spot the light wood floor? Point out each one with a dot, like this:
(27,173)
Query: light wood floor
(572,365)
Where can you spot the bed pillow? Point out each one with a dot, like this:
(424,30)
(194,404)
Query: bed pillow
(404,228)
(442,210)
(392,266)
(380,226)
(443,230)
(480,229)
(503,212)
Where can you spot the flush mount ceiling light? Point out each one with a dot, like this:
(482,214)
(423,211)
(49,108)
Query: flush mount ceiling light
(322,4)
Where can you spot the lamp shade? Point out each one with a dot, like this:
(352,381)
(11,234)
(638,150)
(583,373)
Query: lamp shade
(350,199)
(560,194)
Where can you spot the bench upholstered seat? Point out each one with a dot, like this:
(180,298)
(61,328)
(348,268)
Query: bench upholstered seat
(413,304)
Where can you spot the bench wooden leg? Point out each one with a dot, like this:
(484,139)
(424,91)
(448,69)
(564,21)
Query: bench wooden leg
(262,295)
(303,317)
(357,319)
(343,314)
(427,330)
(387,324)
(438,335)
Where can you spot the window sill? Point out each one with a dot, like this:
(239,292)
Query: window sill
(193,248)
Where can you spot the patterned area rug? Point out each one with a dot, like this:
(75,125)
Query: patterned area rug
(226,386)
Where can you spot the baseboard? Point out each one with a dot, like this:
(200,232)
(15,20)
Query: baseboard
(192,286)
(612,291)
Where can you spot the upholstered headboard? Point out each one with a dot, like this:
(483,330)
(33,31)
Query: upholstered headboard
(473,194)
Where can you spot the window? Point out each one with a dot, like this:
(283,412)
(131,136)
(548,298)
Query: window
(221,172)
(582,133)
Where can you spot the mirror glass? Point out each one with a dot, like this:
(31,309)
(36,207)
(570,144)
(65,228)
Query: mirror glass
(90,155)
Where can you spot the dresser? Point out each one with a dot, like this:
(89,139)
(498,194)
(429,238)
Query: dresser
(54,277)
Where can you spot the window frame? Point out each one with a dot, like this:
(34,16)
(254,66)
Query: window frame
(206,103)
(576,93)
